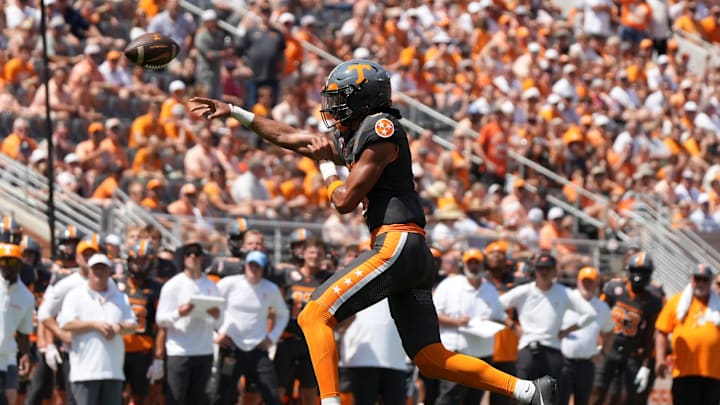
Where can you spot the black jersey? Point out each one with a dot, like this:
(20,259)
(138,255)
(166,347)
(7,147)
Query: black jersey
(226,266)
(297,290)
(634,317)
(393,199)
(143,302)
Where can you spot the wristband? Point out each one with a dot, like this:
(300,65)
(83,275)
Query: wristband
(244,116)
(327,169)
(333,186)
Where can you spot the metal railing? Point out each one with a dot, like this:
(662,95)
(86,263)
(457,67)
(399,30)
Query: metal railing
(30,188)
(124,213)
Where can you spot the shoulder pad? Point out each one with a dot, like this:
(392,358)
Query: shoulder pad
(376,128)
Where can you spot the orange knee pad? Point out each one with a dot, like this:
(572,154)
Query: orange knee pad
(315,313)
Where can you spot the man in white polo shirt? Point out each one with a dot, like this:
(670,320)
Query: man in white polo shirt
(243,337)
(580,348)
(97,315)
(189,341)
(541,306)
(16,314)
(462,302)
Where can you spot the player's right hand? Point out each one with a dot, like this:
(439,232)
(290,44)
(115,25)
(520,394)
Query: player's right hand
(52,357)
(209,108)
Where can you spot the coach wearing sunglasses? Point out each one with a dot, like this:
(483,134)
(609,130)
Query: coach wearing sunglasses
(189,343)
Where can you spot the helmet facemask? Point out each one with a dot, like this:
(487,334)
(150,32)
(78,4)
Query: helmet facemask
(335,109)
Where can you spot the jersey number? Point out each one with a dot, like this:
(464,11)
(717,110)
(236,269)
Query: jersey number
(626,322)
(140,317)
(299,299)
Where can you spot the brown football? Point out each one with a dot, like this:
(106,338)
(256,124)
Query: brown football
(152,50)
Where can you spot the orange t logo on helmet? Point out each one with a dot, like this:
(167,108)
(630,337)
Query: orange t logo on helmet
(360,69)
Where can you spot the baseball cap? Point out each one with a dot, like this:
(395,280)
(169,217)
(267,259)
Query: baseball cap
(96,127)
(535,215)
(473,254)
(188,188)
(589,273)
(534,47)
(112,123)
(71,158)
(545,260)
(555,213)
(86,244)
(209,15)
(99,258)
(176,85)
(92,49)
(662,60)
(56,21)
(113,55)
(113,240)
(286,18)
(308,20)
(690,106)
(257,257)
(703,270)
(154,183)
(38,155)
(497,245)
(532,92)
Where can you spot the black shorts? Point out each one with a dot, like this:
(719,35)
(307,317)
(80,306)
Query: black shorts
(135,369)
(617,374)
(400,268)
(292,362)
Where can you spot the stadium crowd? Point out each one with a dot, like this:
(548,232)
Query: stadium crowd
(603,97)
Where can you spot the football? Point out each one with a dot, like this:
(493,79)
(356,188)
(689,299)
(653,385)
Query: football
(152,51)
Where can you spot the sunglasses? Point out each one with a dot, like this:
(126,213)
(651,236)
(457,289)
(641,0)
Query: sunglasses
(10,262)
(194,252)
(701,279)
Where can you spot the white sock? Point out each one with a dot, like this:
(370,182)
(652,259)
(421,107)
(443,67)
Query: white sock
(330,401)
(524,391)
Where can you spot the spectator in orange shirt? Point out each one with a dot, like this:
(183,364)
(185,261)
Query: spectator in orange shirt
(19,69)
(147,160)
(112,143)
(264,104)
(19,145)
(107,188)
(687,22)
(221,201)
(552,230)
(153,201)
(635,19)
(146,125)
(187,201)
(178,129)
(176,89)
(711,25)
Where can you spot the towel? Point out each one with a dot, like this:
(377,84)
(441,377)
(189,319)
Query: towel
(712,313)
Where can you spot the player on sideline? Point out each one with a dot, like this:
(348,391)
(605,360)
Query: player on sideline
(369,140)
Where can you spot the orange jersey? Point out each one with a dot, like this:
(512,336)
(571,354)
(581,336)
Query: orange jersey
(695,343)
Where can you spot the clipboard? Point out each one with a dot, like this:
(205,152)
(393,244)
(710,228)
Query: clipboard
(483,329)
(201,303)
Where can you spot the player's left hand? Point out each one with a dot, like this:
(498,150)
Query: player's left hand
(322,148)
(641,379)
(209,108)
